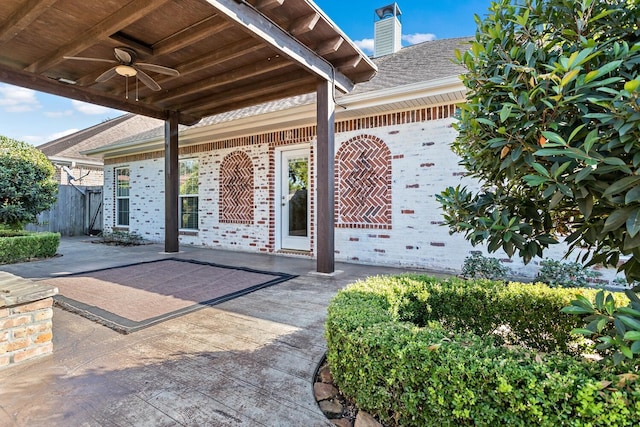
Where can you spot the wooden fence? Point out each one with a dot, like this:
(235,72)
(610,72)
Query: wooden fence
(77,212)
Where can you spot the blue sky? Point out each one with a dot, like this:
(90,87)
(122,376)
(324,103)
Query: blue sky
(37,117)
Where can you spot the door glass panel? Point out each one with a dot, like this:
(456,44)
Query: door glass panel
(298,186)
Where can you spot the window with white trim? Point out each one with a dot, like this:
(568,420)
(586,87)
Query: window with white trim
(188,203)
(122,196)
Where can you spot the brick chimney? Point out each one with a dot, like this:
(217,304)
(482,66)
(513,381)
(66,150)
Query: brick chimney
(387,30)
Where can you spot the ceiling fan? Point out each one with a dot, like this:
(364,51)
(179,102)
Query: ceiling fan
(127,66)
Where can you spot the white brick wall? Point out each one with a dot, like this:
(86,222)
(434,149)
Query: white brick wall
(243,237)
(422,166)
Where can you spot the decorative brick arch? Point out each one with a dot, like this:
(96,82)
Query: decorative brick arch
(363,184)
(236,189)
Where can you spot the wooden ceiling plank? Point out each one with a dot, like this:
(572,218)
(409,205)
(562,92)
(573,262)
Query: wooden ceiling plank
(255,23)
(274,85)
(304,24)
(200,31)
(268,4)
(22,17)
(217,57)
(212,111)
(231,76)
(125,16)
(329,46)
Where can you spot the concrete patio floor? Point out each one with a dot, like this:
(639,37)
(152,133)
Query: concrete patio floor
(249,361)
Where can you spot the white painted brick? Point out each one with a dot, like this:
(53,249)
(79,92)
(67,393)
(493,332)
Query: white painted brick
(423,157)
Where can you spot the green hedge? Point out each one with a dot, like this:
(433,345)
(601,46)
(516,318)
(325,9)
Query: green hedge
(421,351)
(24,245)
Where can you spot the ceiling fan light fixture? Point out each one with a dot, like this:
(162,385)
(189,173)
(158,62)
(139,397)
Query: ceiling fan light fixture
(126,70)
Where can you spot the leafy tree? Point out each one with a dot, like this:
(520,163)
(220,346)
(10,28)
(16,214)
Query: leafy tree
(27,186)
(551,129)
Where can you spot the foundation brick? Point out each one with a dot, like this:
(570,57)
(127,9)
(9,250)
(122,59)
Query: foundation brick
(15,345)
(19,332)
(33,352)
(43,338)
(39,327)
(43,315)
(32,306)
(14,321)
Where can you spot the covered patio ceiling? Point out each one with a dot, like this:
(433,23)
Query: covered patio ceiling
(229,53)
(203,57)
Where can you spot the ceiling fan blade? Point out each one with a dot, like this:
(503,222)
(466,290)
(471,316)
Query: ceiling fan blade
(148,81)
(123,55)
(83,58)
(158,69)
(111,72)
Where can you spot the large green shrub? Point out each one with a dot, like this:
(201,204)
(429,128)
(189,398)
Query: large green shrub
(27,186)
(551,131)
(23,246)
(420,351)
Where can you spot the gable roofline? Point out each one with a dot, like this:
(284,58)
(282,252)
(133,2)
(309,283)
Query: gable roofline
(58,145)
(70,148)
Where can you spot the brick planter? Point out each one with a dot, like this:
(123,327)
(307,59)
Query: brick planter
(26,319)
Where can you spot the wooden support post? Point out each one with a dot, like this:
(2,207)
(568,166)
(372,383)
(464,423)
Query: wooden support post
(171,184)
(325,221)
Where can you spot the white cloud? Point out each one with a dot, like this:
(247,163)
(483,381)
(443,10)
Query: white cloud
(39,139)
(365,44)
(15,99)
(91,109)
(56,114)
(418,37)
(33,139)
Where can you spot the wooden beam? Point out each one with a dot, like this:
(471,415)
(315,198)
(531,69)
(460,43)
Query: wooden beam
(240,73)
(325,221)
(171,184)
(256,24)
(22,17)
(268,4)
(227,53)
(125,16)
(329,46)
(304,24)
(136,45)
(54,87)
(223,107)
(250,91)
(192,34)
(348,62)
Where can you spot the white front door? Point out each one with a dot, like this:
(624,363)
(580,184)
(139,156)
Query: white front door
(294,199)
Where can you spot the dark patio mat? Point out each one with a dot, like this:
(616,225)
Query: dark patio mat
(131,297)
